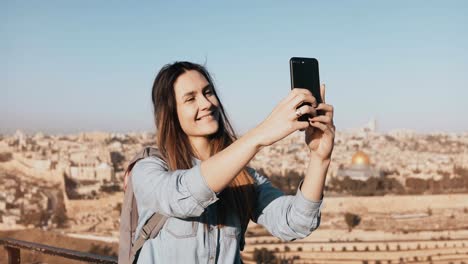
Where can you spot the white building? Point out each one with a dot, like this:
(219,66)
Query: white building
(102,172)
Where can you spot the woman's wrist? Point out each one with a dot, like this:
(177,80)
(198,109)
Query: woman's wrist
(314,180)
(320,164)
(319,161)
(229,162)
(254,139)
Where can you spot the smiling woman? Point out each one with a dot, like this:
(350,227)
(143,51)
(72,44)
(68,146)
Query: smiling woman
(202,182)
(197,105)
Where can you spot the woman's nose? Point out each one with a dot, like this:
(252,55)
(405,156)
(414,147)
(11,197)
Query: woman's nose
(205,103)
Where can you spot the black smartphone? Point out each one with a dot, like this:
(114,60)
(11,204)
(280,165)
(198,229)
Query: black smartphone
(305,74)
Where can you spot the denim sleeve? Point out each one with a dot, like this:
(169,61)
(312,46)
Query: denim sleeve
(287,217)
(179,193)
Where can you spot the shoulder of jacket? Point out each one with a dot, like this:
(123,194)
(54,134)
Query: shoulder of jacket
(148,165)
(151,160)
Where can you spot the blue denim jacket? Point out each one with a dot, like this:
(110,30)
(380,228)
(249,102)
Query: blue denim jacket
(191,204)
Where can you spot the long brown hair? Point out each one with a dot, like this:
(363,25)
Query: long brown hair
(175,146)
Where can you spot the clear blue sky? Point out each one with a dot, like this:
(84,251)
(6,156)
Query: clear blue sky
(68,66)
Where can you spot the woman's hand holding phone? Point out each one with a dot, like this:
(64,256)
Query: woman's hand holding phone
(320,135)
(283,120)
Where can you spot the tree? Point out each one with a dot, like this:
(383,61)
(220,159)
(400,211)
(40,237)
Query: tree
(117,159)
(352,220)
(5,156)
(263,255)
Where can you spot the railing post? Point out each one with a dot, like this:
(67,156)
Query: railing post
(14,256)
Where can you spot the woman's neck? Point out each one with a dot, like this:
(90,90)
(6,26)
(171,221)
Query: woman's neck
(201,146)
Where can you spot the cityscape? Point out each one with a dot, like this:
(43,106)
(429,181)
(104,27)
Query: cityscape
(396,197)
(79,98)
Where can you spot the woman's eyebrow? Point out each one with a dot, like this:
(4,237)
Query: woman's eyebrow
(188,94)
(208,86)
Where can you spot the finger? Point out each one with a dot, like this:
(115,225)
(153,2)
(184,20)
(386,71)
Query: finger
(325,120)
(302,98)
(322,119)
(329,110)
(305,109)
(324,128)
(290,96)
(299,91)
(322,92)
(300,125)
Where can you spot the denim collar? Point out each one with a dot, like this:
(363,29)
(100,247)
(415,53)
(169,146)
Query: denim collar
(196,161)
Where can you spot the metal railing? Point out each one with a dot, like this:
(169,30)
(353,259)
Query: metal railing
(13,247)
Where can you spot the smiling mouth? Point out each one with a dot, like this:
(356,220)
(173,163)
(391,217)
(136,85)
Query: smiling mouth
(207,116)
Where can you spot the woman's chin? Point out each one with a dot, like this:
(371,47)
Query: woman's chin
(209,130)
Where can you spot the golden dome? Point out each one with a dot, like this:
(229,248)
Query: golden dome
(360,158)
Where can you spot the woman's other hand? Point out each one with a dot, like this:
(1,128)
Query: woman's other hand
(283,120)
(320,135)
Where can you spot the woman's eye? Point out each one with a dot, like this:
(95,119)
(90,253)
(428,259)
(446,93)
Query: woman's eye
(209,92)
(189,99)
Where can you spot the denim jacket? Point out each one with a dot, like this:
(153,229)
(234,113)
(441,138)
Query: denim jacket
(191,235)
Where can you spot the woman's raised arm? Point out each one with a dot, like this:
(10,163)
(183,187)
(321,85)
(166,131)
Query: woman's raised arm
(220,169)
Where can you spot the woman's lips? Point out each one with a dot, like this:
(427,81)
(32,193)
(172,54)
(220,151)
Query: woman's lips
(208,117)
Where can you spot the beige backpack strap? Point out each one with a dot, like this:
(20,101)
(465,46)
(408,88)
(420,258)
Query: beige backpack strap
(149,230)
(126,225)
(155,223)
(133,213)
(144,153)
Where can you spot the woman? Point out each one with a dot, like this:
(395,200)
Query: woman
(203,184)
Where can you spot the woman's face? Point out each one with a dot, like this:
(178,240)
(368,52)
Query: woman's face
(197,106)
